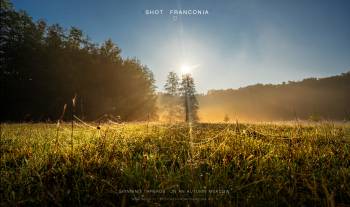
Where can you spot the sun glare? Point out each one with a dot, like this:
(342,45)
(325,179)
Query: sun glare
(185,69)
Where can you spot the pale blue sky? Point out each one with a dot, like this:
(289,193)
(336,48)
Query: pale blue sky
(239,43)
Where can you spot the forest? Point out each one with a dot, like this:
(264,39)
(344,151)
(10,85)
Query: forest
(49,72)
(310,99)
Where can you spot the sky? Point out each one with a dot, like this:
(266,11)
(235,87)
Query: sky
(238,43)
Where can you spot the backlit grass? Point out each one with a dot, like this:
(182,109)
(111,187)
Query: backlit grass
(156,164)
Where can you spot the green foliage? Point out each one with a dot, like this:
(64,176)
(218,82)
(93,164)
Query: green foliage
(255,165)
(44,66)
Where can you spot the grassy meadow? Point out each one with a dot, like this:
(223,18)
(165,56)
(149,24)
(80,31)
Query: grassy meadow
(153,164)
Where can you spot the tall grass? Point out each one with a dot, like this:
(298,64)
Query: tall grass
(155,164)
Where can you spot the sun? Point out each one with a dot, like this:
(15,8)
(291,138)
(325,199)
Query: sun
(185,69)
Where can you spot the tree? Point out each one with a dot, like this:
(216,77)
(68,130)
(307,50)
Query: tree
(188,94)
(172,84)
(172,103)
(75,38)
(110,50)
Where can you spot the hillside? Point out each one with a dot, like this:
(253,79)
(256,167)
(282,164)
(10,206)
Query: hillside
(324,98)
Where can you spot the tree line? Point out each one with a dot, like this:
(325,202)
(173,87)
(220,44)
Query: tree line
(45,68)
(309,99)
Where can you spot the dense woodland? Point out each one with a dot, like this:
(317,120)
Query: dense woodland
(310,99)
(45,67)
